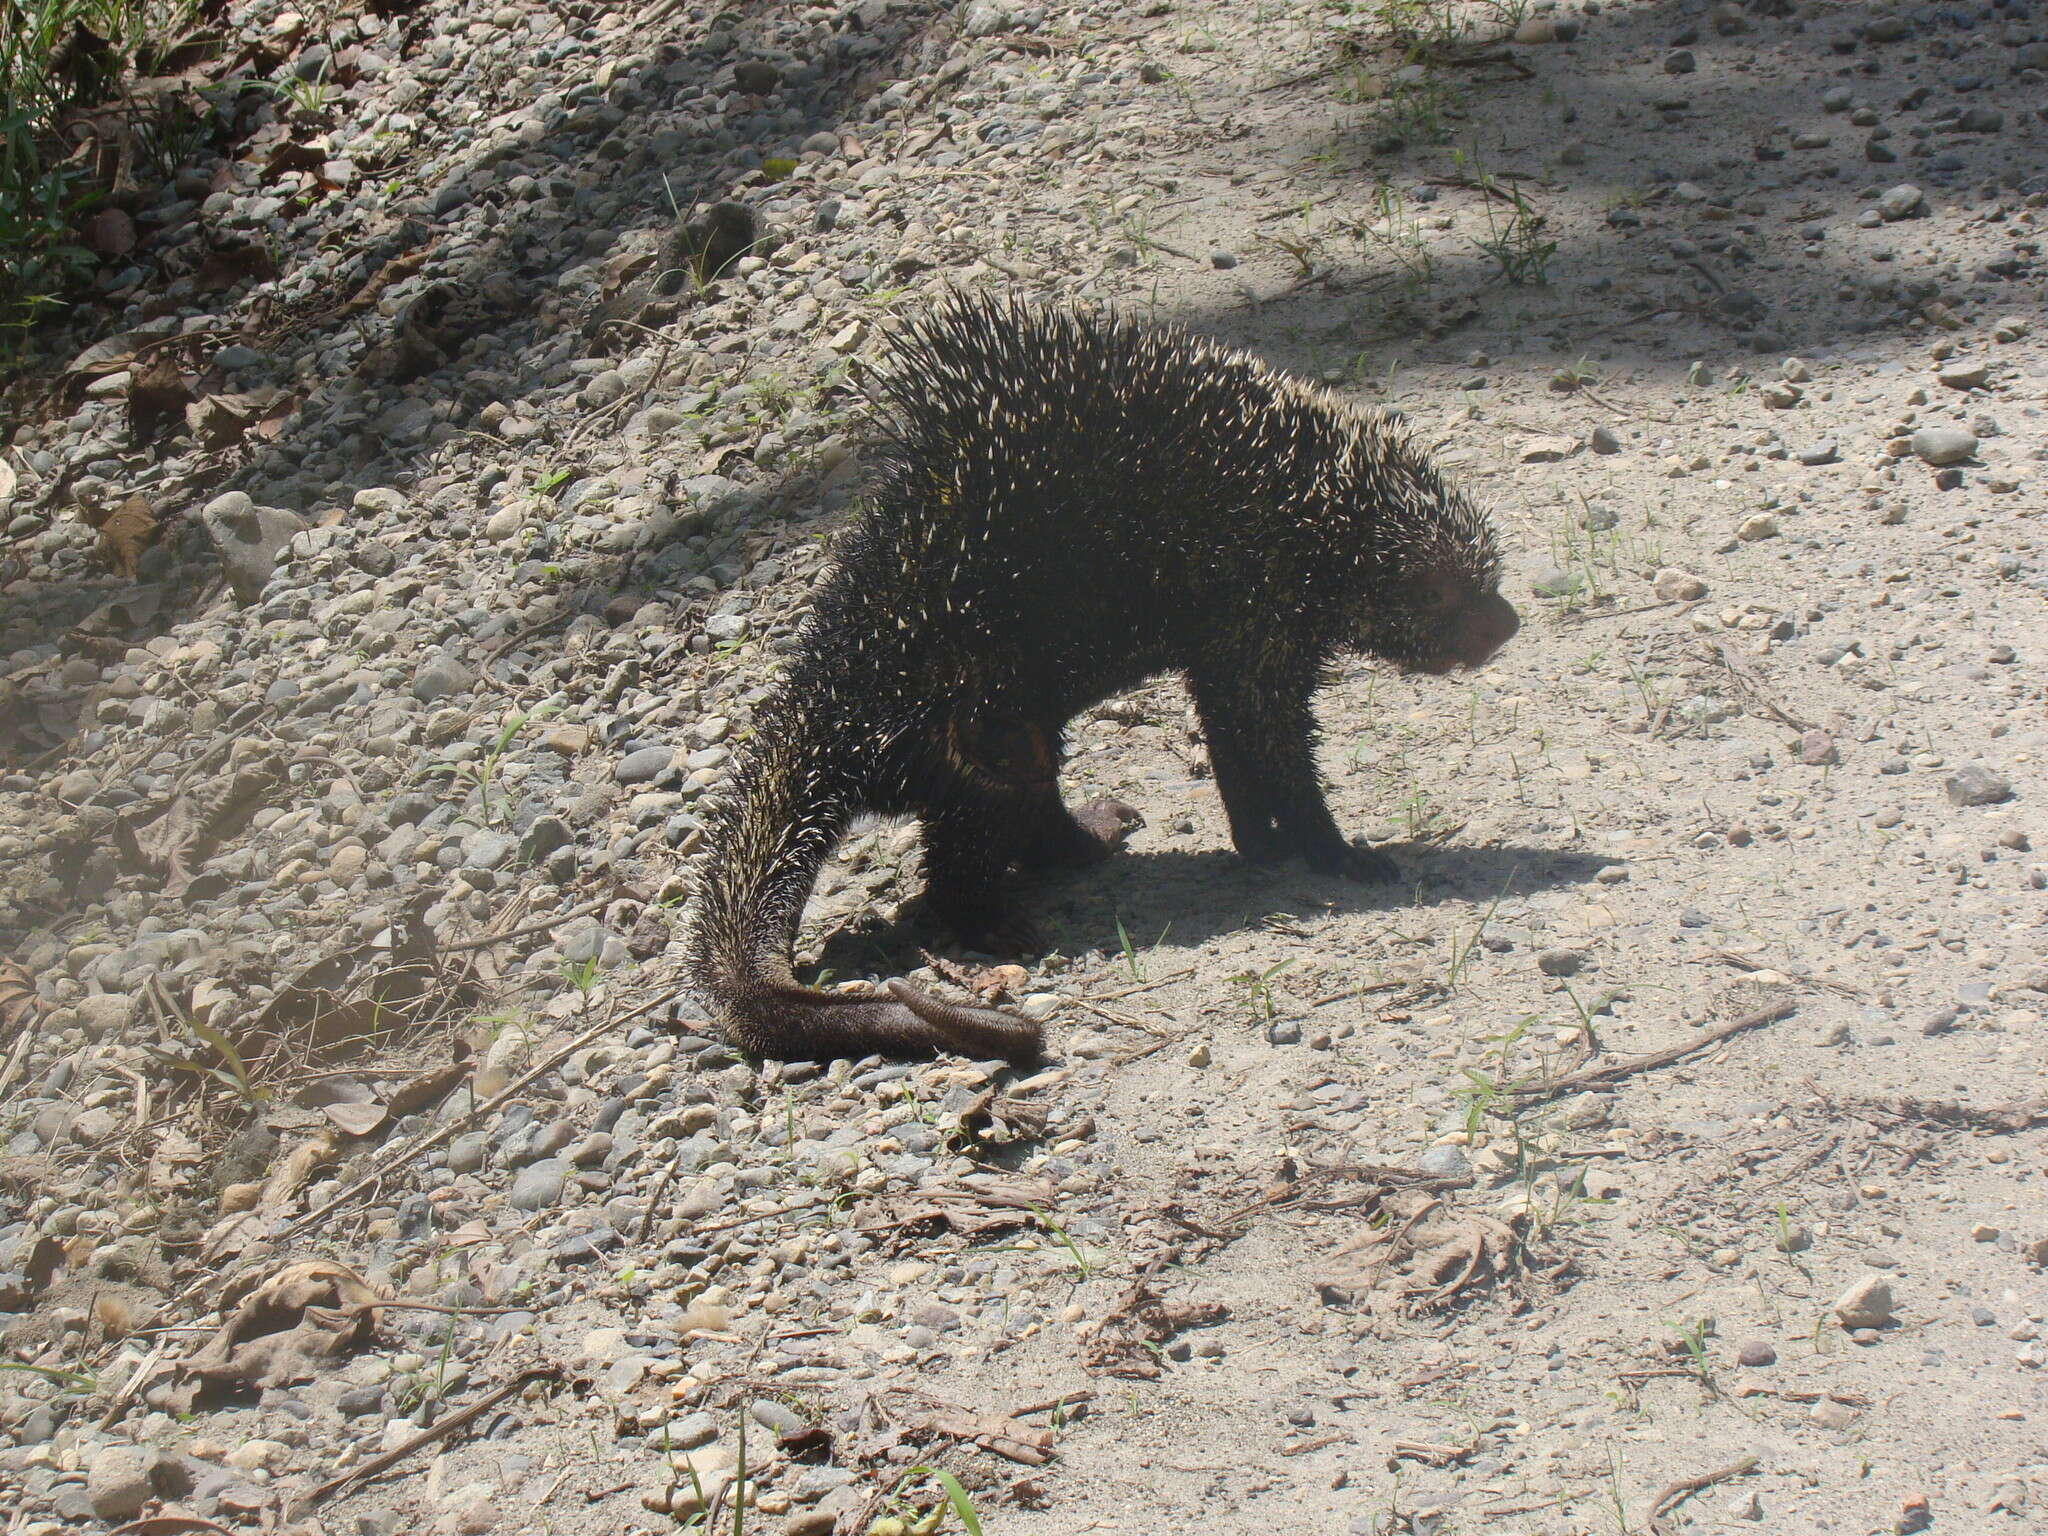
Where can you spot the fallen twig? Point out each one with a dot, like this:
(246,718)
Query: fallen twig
(441,1431)
(1681,1489)
(1586,1077)
(1804,978)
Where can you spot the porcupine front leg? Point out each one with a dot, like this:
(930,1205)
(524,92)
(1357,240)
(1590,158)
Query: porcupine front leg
(1262,733)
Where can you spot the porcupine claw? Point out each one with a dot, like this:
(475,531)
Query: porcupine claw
(971,1030)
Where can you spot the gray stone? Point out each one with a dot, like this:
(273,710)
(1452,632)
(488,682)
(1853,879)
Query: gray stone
(250,540)
(487,848)
(1560,962)
(537,1187)
(646,764)
(441,676)
(1604,440)
(1445,1162)
(1822,452)
(1866,1304)
(985,18)
(780,1417)
(686,1433)
(466,1153)
(1944,445)
(121,1480)
(1977,784)
(1901,202)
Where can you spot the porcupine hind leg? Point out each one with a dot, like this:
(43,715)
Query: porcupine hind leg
(1262,734)
(1021,758)
(969,847)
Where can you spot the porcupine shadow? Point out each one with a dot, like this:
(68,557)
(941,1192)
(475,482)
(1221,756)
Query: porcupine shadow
(1195,893)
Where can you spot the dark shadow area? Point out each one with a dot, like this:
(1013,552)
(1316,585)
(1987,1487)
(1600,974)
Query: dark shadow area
(1666,216)
(1193,895)
(391,336)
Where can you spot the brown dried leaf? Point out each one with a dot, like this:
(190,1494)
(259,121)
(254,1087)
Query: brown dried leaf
(974,1206)
(923,1415)
(295,1171)
(227,265)
(357,1119)
(157,397)
(18,1001)
(221,421)
(428,1088)
(1140,1319)
(129,529)
(176,840)
(286,1330)
(294,156)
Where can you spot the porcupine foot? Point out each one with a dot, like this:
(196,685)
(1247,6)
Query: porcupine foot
(1088,834)
(1354,861)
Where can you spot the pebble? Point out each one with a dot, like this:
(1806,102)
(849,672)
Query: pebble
(1901,202)
(1560,962)
(1865,1304)
(1755,1354)
(538,1186)
(1446,1162)
(1977,784)
(120,1480)
(1676,586)
(1944,445)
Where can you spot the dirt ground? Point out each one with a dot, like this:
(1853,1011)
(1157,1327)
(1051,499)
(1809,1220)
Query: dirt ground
(1667,1152)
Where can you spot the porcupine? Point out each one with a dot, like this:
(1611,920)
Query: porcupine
(1066,504)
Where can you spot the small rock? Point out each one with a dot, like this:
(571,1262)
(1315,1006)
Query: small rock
(1829,1414)
(643,765)
(1560,962)
(1866,1304)
(1817,749)
(1915,1514)
(537,1187)
(1603,439)
(1944,445)
(1984,1232)
(1965,375)
(120,1480)
(1755,1354)
(1680,62)
(757,77)
(1977,784)
(441,677)
(1756,527)
(1901,202)
(1446,1162)
(1675,586)
(250,540)
(1822,452)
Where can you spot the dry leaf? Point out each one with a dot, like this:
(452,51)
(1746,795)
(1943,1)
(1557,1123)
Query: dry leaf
(157,397)
(18,1001)
(1140,1319)
(188,831)
(428,1088)
(129,530)
(286,1330)
(976,1205)
(221,421)
(296,1170)
(357,1119)
(225,266)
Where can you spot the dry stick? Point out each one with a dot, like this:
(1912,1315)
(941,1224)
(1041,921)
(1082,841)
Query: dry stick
(455,1128)
(1685,1487)
(446,1133)
(440,1431)
(482,940)
(1586,1077)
